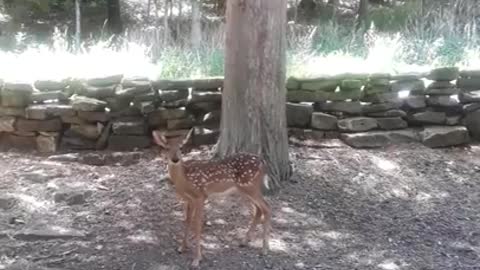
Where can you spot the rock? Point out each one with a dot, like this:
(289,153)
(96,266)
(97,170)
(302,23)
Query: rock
(204,107)
(299,115)
(442,101)
(48,144)
(206,96)
(345,95)
(444,74)
(292,84)
(349,85)
(70,157)
(73,120)
(469,83)
(442,91)
(18,87)
(7,202)
(453,120)
(160,116)
(377,139)
(353,107)
(25,133)
(50,233)
(145,107)
(88,104)
(7,124)
(93,117)
(175,104)
(204,136)
(46,96)
(172,95)
(308,96)
(15,96)
(472,121)
(146,97)
(49,85)
(12,111)
(472,107)
(127,142)
(45,111)
(181,123)
(323,121)
(468,73)
(379,107)
(415,102)
(357,124)
(326,85)
(9,141)
(441,85)
(384,98)
(129,126)
(391,123)
(88,131)
(118,103)
(429,117)
(413,85)
(105,81)
(389,113)
(469,97)
(72,197)
(351,76)
(97,92)
(133,91)
(380,81)
(376,89)
(199,84)
(407,76)
(74,142)
(442,136)
(102,141)
(39,125)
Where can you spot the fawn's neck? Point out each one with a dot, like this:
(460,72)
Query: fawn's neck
(177,174)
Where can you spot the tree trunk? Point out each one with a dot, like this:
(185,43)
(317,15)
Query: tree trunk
(78,28)
(254,95)
(114,20)
(363,15)
(196,30)
(166,37)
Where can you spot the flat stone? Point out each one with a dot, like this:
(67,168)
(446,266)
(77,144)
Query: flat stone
(469,83)
(378,139)
(327,85)
(46,96)
(7,202)
(152,97)
(204,107)
(429,117)
(197,84)
(73,120)
(72,197)
(323,121)
(127,142)
(357,124)
(136,82)
(49,85)
(444,74)
(70,157)
(292,84)
(472,107)
(472,121)
(160,116)
(441,85)
(105,81)
(443,136)
(45,111)
(413,85)
(118,103)
(348,85)
(97,92)
(206,96)
(18,87)
(468,73)
(389,113)
(102,141)
(299,115)
(145,107)
(175,104)
(74,142)
(12,111)
(129,126)
(383,98)
(133,91)
(93,117)
(380,107)
(181,123)
(453,120)
(205,136)
(380,81)
(469,97)
(442,91)
(345,95)
(15,98)
(7,124)
(50,233)
(391,123)
(48,144)
(442,101)
(353,107)
(39,125)
(80,103)
(89,131)
(308,96)
(25,133)
(172,95)
(9,141)
(415,102)
(376,89)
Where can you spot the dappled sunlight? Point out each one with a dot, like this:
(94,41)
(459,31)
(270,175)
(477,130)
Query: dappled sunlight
(383,164)
(145,237)
(33,204)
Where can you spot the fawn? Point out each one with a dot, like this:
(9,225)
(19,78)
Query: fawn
(194,181)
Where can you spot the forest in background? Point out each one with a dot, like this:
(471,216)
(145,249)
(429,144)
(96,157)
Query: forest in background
(184,38)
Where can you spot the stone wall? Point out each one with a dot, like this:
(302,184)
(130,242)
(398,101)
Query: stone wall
(441,108)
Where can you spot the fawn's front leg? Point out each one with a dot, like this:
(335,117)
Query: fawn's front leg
(198,223)
(187,226)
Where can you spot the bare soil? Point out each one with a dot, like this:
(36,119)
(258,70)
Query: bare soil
(403,207)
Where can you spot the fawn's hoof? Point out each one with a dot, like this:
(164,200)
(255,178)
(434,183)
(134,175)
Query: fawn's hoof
(181,249)
(195,264)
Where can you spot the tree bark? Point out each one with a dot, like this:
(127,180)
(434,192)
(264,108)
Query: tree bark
(196,29)
(166,37)
(114,19)
(363,15)
(254,95)
(78,27)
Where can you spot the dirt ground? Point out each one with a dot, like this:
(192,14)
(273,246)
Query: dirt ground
(404,207)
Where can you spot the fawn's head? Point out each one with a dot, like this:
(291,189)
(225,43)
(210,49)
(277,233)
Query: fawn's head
(172,145)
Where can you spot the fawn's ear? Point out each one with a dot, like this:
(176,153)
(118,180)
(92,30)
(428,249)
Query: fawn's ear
(187,137)
(159,139)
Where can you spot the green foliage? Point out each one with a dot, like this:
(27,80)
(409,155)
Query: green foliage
(389,19)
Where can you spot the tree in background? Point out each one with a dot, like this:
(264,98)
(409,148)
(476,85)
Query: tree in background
(254,95)
(114,19)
